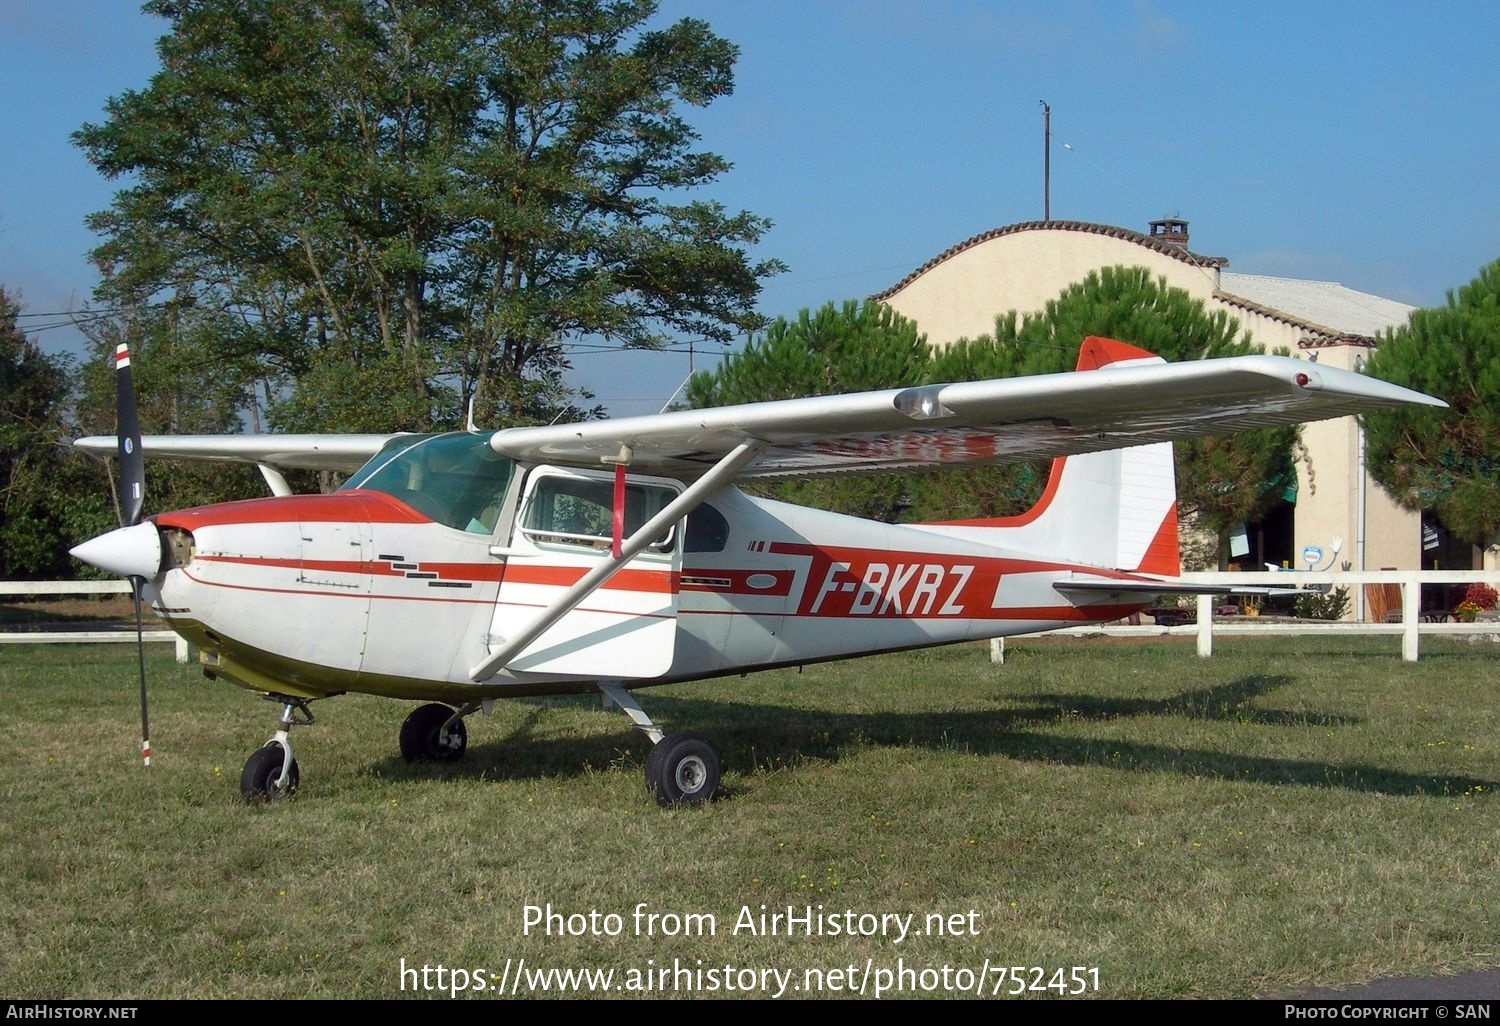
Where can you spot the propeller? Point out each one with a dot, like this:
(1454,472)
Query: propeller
(133,498)
(133,492)
(134,550)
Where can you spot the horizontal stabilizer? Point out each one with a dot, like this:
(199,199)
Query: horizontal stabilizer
(1095,586)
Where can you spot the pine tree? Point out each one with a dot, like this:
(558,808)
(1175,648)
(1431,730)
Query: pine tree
(1447,461)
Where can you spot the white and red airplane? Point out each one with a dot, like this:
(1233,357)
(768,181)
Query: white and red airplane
(461,568)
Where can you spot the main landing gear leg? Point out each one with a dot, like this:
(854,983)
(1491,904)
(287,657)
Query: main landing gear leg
(270,773)
(682,769)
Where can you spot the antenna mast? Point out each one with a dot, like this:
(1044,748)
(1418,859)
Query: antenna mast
(1046,161)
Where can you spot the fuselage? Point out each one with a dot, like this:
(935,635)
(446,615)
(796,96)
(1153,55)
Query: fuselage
(404,582)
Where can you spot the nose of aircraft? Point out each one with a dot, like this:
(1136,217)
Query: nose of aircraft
(129,551)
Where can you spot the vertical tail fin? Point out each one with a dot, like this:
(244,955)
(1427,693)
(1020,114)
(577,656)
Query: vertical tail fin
(1114,509)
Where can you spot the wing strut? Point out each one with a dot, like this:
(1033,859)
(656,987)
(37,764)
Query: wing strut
(722,473)
(274,479)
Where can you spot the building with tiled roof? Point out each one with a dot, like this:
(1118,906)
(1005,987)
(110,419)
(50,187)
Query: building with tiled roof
(1020,267)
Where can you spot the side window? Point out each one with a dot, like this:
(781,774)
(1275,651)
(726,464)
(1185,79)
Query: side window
(707,531)
(580,512)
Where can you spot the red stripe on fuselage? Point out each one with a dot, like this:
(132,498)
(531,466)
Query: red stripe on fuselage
(885,584)
(1069,614)
(737,582)
(657,581)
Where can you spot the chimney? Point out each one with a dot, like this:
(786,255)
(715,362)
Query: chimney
(1172,230)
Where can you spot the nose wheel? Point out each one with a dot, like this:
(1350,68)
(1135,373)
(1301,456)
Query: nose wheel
(271,773)
(268,776)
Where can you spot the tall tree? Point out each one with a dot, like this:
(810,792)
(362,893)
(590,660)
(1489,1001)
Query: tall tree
(49,498)
(403,205)
(1445,460)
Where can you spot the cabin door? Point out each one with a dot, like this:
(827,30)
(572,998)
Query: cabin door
(627,628)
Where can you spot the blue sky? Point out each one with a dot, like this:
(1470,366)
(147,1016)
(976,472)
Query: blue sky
(1353,142)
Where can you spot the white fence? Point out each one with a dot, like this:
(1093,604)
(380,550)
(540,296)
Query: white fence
(1410,627)
(33,588)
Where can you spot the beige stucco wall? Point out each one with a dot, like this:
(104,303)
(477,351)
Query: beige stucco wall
(1329,491)
(960,295)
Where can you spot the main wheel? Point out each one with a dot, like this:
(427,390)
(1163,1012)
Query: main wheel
(682,770)
(423,738)
(261,779)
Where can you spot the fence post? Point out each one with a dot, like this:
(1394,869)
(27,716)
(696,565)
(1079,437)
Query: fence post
(997,651)
(1205,625)
(1411,594)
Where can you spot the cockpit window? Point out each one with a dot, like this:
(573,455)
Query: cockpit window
(576,510)
(454,479)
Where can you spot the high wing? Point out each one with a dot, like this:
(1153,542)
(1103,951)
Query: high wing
(979,422)
(305,452)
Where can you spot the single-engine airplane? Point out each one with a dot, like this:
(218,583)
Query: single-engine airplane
(461,568)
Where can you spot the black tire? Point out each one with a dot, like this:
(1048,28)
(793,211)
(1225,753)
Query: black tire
(653,756)
(258,781)
(423,738)
(682,769)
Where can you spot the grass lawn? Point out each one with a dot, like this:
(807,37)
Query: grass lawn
(1289,813)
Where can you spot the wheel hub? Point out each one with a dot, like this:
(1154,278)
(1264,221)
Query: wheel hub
(690,774)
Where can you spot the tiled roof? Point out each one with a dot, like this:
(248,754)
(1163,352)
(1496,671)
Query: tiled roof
(1140,239)
(1325,308)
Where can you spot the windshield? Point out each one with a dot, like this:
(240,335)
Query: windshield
(455,479)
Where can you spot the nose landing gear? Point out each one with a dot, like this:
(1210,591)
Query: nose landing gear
(271,773)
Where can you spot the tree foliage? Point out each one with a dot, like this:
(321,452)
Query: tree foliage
(50,497)
(854,348)
(1445,460)
(1221,481)
(378,210)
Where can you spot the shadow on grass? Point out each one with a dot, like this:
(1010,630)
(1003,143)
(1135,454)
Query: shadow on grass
(1224,702)
(756,737)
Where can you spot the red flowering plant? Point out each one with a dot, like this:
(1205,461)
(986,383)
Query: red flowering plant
(1478,597)
(1482,595)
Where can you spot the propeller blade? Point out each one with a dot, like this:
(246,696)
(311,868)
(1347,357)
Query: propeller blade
(133,498)
(140,649)
(132,464)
